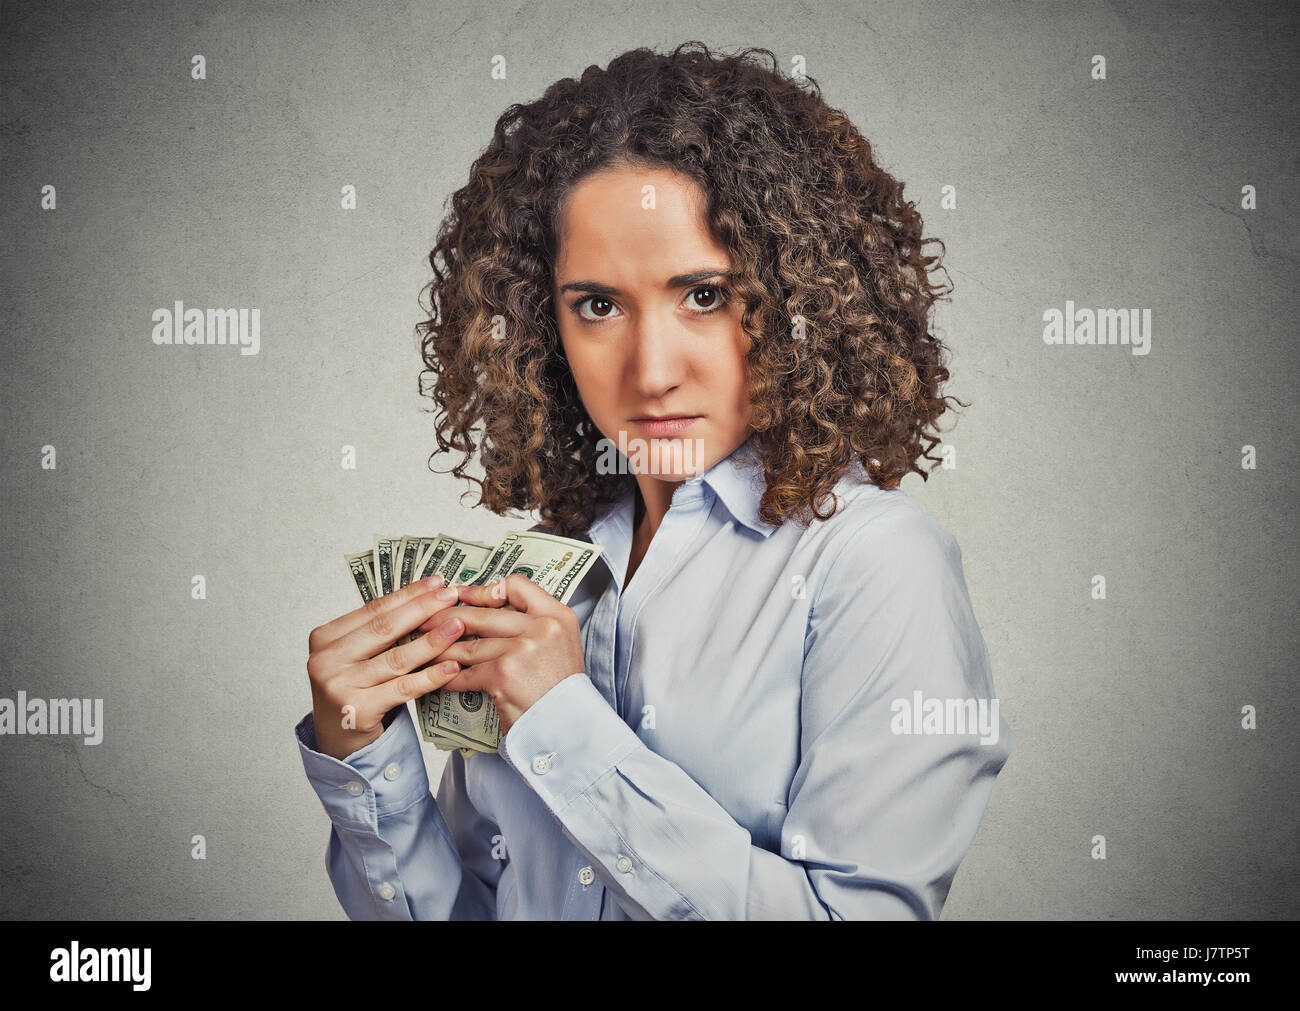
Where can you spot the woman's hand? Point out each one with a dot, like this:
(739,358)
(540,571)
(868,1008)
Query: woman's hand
(522,653)
(356,679)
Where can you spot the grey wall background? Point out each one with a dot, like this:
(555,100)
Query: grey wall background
(1070,462)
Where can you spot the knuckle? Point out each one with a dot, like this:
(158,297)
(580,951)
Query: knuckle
(317,667)
(395,660)
(441,641)
(381,626)
(552,628)
(412,685)
(373,606)
(336,696)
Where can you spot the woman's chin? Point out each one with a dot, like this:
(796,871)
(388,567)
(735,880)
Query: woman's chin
(669,459)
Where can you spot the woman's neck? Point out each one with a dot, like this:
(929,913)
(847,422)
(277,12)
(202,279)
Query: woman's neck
(646,518)
(652,501)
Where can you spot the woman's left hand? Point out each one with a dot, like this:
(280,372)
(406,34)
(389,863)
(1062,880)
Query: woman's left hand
(522,653)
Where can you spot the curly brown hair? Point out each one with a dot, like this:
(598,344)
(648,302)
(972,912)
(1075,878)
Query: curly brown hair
(815,227)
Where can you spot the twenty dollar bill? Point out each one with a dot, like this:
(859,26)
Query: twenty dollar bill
(468,720)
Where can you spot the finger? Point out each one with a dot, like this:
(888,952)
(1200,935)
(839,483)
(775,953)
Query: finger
(471,679)
(375,634)
(407,656)
(489,595)
(474,651)
(517,590)
(488,621)
(341,626)
(412,685)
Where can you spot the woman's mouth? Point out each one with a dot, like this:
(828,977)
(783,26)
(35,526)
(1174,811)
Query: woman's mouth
(666,426)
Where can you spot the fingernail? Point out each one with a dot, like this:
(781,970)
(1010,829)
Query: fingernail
(451,627)
(446,593)
(433,582)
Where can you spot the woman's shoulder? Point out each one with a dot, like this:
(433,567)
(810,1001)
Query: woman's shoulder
(874,516)
(880,533)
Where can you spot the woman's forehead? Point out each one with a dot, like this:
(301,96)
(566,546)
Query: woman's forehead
(635,222)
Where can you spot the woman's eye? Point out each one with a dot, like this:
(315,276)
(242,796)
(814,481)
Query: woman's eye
(602,307)
(702,301)
(709,300)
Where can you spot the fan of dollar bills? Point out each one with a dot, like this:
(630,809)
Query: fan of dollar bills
(468,720)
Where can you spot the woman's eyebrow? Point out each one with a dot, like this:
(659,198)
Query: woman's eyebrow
(676,281)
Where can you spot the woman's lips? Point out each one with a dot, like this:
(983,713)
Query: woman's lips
(670,426)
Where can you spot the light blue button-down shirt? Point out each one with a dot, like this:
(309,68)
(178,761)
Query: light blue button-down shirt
(775,723)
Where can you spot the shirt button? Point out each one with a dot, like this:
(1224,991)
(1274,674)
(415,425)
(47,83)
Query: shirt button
(624,864)
(542,764)
(387,891)
(392,771)
(586,876)
(355,788)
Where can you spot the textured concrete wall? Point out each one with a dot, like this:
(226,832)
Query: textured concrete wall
(1072,461)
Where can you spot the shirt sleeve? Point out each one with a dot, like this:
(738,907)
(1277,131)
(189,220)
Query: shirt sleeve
(391,854)
(879,815)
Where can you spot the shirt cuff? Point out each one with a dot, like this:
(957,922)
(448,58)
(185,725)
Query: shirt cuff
(384,777)
(566,740)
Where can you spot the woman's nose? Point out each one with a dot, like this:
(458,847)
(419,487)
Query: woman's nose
(658,360)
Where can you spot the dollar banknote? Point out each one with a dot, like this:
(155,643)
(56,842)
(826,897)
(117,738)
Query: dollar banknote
(468,721)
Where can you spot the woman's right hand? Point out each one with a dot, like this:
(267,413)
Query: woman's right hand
(351,665)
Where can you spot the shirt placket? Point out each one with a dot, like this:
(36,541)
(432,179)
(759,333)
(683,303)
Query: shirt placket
(600,644)
(584,898)
(608,658)
(685,517)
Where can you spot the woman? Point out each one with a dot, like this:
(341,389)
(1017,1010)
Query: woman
(771,698)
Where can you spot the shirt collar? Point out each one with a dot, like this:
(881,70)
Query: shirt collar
(737,480)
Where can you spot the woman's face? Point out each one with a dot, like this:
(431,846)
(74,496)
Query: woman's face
(646,321)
